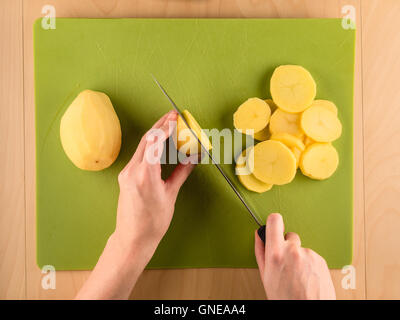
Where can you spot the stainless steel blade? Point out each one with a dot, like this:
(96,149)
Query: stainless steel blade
(209,154)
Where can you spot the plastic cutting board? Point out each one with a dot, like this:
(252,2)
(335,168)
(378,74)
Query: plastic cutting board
(209,66)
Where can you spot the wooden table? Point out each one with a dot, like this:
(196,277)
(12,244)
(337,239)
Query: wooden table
(376,155)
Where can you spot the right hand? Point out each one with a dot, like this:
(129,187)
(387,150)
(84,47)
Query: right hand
(289,271)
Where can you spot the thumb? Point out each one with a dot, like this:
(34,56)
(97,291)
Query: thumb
(179,176)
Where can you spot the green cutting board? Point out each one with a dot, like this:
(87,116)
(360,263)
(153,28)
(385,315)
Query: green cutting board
(209,66)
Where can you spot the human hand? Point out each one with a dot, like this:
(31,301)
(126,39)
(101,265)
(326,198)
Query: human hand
(145,208)
(146,202)
(289,271)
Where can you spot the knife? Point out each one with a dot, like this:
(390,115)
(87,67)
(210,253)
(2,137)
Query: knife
(261,229)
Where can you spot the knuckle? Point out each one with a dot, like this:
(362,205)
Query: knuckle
(276,257)
(141,178)
(314,256)
(308,251)
(122,177)
(323,263)
(320,260)
(295,235)
(292,236)
(294,251)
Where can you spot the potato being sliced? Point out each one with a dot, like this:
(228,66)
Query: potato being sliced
(292,88)
(282,121)
(297,154)
(262,135)
(253,114)
(272,162)
(289,140)
(319,161)
(329,105)
(253,184)
(187,143)
(320,124)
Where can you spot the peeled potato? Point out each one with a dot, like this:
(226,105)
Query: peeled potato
(297,155)
(320,124)
(186,141)
(319,161)
(282,121)
(262,135)
(329,105)
(292,88)
(90,131)
(272,162)
(253,114)
(289,140)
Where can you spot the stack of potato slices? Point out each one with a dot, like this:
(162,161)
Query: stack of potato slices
(298,133)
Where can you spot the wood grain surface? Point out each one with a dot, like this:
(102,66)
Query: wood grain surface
(376,149)
(381,68)
(12,202)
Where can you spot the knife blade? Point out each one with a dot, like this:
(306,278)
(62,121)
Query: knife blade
(261,229)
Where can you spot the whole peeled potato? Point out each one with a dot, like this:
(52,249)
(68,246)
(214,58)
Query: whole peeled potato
(90,131)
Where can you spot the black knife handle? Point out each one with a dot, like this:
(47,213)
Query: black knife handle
(261,233)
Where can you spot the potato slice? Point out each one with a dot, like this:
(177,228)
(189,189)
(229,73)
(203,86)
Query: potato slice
(262,135)
(282,121)
(329,105)
(297,155)
(248,180)
(289,140)
(272,162)
(187,143)
(241,160)
(308,141)
(271,104)
(292,88)
(252,114)
(319,161)
(253,184)
(320,124)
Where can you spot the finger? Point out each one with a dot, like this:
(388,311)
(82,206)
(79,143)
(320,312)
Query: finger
(259,249)
(179,176)
(170,116)
(274,233)
(138,155)
(155,141)
(293,237)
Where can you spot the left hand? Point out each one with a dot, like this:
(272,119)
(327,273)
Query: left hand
(145,208)
(146,202)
